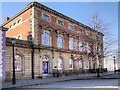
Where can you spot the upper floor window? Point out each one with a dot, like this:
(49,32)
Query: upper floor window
(18,63)
(70,27)
(46,38)
(94,49)
(60,42)
(71,43)
(19,36)
(10,26)
(88,33)
(19,20)
(46,17)
(14,23)
(80,46)
(60,22)
(88,47)
(71,63)
(79,31)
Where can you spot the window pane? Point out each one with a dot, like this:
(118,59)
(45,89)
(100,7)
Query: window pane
(80,46)
(71,63)
(46,38)
(18,61)
(60,42)
(70,27)
(87,64)
(80,62)
(60,65)
(60,22)
(71,43)
(87,33)
(88,47)
(46,17)
(79,31)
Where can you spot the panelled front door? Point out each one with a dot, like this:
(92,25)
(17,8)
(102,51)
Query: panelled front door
(45,67)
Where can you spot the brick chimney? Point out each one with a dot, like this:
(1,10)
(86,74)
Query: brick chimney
(6,19)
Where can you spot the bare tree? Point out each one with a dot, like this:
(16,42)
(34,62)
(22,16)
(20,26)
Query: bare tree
(110,48)
(97,23)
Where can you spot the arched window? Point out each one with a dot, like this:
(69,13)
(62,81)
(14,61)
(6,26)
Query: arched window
(60,42)
(71,63)
(46,38)
(19,36)
(71,43)
(60,64)
(87,64)
(18,63)
(80,63)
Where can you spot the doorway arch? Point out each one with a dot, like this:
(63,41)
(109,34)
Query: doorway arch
(46,64)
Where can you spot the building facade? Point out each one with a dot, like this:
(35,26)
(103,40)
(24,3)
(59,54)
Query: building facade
(55,40)
(2,52)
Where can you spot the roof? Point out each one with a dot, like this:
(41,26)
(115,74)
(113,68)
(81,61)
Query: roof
(38,5)
(3,28)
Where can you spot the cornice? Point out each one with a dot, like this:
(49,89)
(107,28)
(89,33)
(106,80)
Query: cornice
(45,8)
(27,45)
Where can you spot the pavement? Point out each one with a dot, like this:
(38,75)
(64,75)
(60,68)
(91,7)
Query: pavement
(30,82)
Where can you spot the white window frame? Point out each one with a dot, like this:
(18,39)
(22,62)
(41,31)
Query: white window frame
(20,36)
(60,24)
(71,43)
(20,68)
(88,47)
(79,31)
(58,42)
(80,45)
(49,43)
(70,63)
(70,28)
(80,64)
(60,63)
(88,33)
(46,15)
(87,64)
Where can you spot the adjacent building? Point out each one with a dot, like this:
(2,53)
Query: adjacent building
(48,40)
(2,52)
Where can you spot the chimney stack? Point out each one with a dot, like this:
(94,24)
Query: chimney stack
(6,19)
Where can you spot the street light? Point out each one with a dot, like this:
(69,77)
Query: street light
(32,55)
(114,64)
(14,77)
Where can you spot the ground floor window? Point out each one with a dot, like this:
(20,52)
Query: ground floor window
(87,64)
(71,63)
(60,64)
(18,62)
(94,64)
(80,64)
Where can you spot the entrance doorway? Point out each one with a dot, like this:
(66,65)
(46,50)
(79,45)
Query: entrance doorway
(45,65)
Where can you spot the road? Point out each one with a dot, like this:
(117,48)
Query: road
(96,83)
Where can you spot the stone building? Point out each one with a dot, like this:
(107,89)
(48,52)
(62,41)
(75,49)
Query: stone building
(2,52)
(48,40)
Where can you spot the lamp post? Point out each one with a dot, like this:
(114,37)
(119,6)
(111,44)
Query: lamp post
(14,77)
(32,55)
(114,64)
